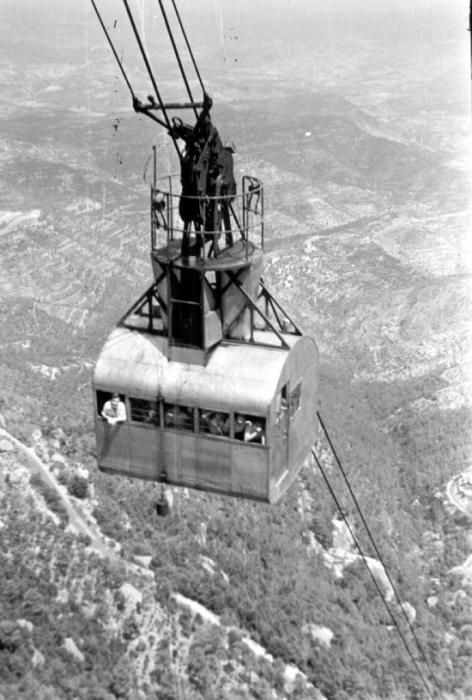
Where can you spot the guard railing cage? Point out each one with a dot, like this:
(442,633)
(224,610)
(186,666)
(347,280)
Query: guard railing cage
(235,217)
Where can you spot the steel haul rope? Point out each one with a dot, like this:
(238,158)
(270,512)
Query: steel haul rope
(165,122)
(377,552)
(151,76)
(113,49)
(188,47)
(376,584)
(177,55)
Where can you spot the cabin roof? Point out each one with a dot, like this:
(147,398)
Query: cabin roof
(239,377)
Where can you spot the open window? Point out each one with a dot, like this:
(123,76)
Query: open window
(249,428)
(178,417)
(295,399)
(143,411)
(214,422)
(282,408)
(102,398)
(111,407)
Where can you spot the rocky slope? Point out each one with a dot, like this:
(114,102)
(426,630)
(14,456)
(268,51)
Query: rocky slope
(69,575)
(367,200)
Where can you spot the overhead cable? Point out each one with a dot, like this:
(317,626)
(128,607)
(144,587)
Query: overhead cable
(123,72)
(377,553)
(151,75)
(113,49)
(177,55)
(188,47)
(376,584)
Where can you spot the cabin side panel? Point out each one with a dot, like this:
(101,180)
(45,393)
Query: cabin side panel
(303,404)
(113,445)
(216,465)
(145,449)
(293,413)
(250,471)
(170,456)
(213,459)
(279,435)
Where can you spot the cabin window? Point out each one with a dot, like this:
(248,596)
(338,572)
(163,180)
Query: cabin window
(102,398)
(295,399)
(111,406)
(250,429)
(214,422)
(143,411)
(179,417)
(283,399)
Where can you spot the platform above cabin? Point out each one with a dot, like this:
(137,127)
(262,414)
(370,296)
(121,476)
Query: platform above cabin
(216,228)
(241,254)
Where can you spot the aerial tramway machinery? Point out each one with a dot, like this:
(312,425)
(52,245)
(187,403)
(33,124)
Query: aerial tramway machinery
(205,382)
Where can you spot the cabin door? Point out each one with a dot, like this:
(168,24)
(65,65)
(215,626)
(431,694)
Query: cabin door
(283,432)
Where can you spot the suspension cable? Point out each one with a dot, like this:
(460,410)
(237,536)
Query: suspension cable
(377,552)
(188,47)
(115,53)
(151,76)
(177,55)
(376,584)
(114,50)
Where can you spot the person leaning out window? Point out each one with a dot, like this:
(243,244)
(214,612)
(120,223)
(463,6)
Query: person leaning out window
(114,410)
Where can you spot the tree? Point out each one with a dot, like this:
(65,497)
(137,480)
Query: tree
(78,486)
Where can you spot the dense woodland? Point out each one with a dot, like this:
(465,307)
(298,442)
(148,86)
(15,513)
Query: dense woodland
(344,132)
(267,578)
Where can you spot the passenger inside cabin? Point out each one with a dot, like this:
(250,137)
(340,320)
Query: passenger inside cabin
(254,432)
(152,415)
(219,424)
(249,429)
(215,422)
(114,410)
(178,417)
(239,427)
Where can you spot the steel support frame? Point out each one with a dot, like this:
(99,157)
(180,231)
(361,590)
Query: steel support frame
(254,309)
(138,308)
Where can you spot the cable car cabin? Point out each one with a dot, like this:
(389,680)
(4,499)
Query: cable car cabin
(240,425)
(206,382)
(218,386)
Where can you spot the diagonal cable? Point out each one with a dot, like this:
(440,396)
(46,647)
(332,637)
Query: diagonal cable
(188,47)
(376,584)
(176,53)
(113,49)
(377,552)
(123,72)
(151,76)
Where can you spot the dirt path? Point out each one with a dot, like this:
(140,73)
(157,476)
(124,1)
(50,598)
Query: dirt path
(279,242)
(153,617)
(76,522)
(464,504)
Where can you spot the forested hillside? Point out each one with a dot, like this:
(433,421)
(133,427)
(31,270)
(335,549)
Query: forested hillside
(262,569)
(359,138)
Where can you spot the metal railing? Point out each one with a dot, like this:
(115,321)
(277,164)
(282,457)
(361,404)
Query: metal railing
(232,217)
